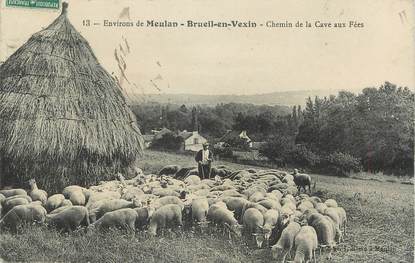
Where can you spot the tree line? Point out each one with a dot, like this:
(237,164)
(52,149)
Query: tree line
(212,122)
(371,131)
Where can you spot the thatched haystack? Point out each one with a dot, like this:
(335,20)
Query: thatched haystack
(63,118)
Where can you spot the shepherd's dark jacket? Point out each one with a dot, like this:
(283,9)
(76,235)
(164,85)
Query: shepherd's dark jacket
(199,155)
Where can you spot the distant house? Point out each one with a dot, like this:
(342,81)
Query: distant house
(192,141)
(231,135)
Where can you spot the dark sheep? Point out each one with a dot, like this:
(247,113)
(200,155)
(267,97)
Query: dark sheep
(183,172)
(169,170)
(302,180)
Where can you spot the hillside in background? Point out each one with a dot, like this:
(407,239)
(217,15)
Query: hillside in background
(288,98)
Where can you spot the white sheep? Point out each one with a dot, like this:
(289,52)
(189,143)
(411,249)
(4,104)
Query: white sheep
(11,192)
(200,207)
(99,196)
(253,221)
(192,180)
(28,198)
(54,202)
(286,200)
(70,189)
(123,218)
(321,207)
(305,245)
(144,215)
(304,205)
(167,215)
(256,197)
(315,200)
(343,218)
(162,192)
(332,212)
(275,194)
(326,230)
(331,203)
(59,209)
(269,203)
(12,201)
(69,219)
(259,207)
(22,214)
(237,204)
(253,189)
(286,241)
(2,198)
(129,193)
(157,203)
(271,222)
(219,214)
(37,194)
(106,206)
(232,193)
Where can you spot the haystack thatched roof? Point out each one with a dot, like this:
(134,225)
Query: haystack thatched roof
(62,115)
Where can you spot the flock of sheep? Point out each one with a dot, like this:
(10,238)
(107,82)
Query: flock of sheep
(266,206)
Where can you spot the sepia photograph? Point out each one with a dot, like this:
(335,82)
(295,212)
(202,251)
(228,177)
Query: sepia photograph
(207,131)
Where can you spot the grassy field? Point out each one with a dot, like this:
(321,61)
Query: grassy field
(380,229)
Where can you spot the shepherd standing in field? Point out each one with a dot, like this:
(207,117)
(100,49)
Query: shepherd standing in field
(204,159)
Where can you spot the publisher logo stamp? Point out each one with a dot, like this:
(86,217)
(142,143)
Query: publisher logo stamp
(53,4)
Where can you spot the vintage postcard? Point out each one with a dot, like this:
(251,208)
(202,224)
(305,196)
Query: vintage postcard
(207,131)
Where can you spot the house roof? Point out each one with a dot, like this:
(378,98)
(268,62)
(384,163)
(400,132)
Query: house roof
(185,134)
(160,133)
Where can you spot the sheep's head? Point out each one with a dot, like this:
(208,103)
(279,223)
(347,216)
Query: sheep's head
(150,211)
(138,171)
(285,219)
(236,229)
(152,230)
(137,202)
(31,182)
(183,194)
(259,239)
(267,230)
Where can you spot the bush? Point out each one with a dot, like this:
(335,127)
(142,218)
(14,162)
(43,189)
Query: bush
(221,151)
(342,164)
(168,141)
(304,157)
(238,143)
(278,149)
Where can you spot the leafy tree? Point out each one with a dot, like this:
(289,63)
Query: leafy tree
(195,122)
(302,156)
(278,149)
(376,126)
(237,143)
(341,164)
(168,141)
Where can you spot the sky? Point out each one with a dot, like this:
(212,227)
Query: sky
(240,60)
